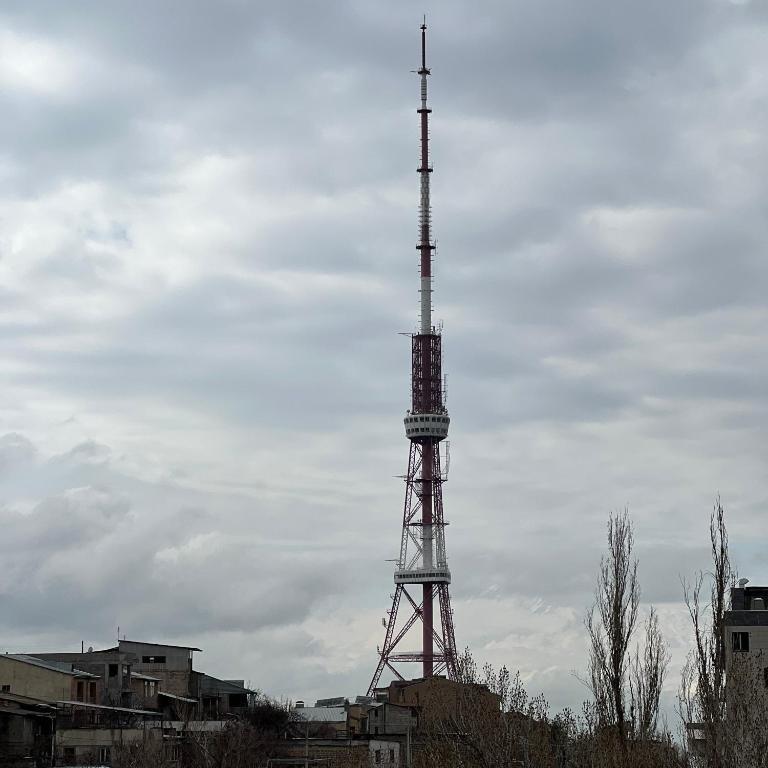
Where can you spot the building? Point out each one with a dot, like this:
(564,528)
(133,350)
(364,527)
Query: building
(26,731)
(342,753)
(114,669)
(319,722)
(386,719)
(224,698)
(436,696)
(47,681)
(78,708)
(89,734)
(746,623)
(171,665)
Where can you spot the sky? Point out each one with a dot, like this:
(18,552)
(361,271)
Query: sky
(208,218)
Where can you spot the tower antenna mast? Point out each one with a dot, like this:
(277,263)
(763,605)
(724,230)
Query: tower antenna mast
(422,565)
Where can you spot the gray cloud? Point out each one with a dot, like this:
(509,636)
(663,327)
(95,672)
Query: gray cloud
(207,225)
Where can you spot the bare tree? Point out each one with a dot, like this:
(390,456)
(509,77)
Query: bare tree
(647,674)
(611,624)
(703,689)
(626,686)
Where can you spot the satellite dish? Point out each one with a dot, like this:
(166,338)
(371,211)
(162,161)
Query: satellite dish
(743,583)
(90,649)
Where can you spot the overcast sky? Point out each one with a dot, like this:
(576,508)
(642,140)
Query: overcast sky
(207,227)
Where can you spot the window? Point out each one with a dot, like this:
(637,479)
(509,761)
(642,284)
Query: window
(740,641)
(765,677)
(391,755)
(92,692)
(69,755)
(113,670)
(5,688)
(80,690)
(378,755)
(153,659)
(104,754)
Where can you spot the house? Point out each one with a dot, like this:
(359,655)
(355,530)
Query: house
(113,667)
(48,681)
(324,722)
(26,731)
(89,734)
(224,698)
(342,753)
(171,665)
(385,719)
(746,623)
(436,696)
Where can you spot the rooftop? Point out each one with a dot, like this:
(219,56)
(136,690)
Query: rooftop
(62,667)
(320,714)
(176,698)
(160,645)
(109,709)
(210,684)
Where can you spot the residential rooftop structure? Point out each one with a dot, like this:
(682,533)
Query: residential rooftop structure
(137,691)
(49,681)
(26,731)
(746,623)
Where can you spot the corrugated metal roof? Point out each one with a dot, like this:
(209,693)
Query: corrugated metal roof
(18,699)
(140,676)
(54,666)
(320,714)
(178,698)
(110,709)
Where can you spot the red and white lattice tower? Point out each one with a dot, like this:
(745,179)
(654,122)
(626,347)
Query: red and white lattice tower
(421,574)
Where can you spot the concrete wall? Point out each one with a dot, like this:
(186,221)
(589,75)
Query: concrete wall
(387,752)
(100,737)
(36,682)
(88,743)
(758,641)
(176,659)
(175,674)
(344,754)
(390,720)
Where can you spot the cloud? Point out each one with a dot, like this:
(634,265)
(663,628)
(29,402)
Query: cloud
(207,226)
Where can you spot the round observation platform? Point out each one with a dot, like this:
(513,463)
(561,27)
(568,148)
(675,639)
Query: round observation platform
(426,426)
(436,575)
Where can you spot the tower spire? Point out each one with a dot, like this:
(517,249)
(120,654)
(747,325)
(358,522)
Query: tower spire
(422,564)
(425,245)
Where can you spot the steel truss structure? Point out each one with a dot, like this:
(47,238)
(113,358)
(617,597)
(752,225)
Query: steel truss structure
(422,564)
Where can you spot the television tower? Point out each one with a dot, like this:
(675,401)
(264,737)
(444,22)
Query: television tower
(422,561)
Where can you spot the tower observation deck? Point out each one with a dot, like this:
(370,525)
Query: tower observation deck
(422,576)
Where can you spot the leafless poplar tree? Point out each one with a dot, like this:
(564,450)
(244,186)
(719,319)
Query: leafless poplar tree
(703,689)
(626,687)
(611,623)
